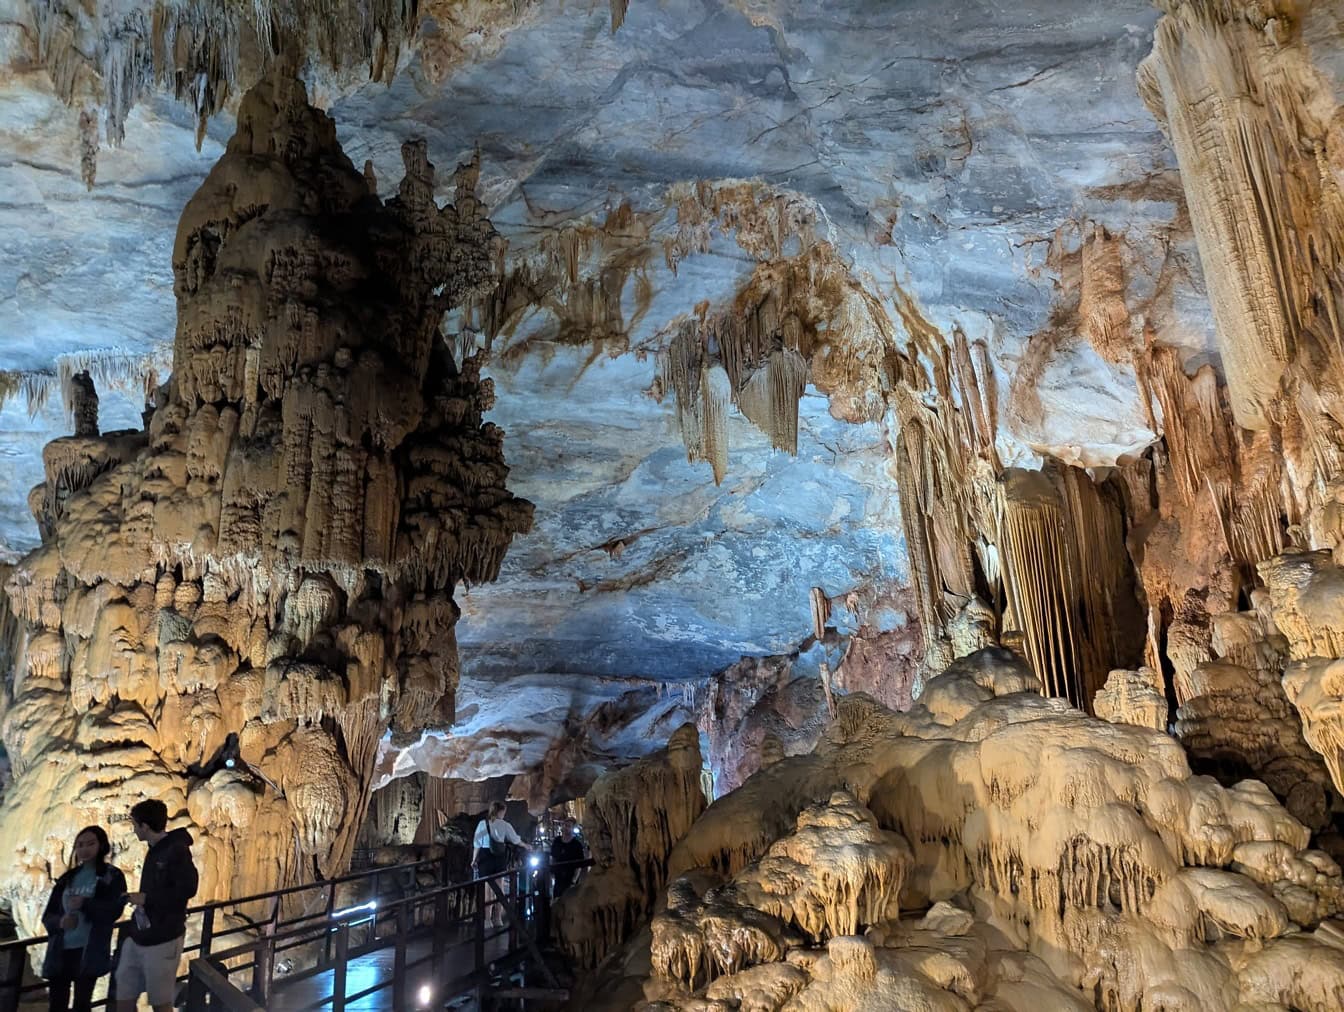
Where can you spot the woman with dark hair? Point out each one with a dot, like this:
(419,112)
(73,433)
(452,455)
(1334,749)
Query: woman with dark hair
(85,904)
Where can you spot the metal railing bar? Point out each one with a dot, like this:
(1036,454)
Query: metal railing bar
(20,943)
(393,924)
(220,987)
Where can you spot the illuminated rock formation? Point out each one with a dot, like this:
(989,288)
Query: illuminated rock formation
(1133,697)
(837,871)
(972,287)
(1305,591)
(1089,843)
(1236,719)
(269,568)
(1248,115)
(632,820)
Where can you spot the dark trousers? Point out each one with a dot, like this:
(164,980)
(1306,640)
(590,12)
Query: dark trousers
(58,988)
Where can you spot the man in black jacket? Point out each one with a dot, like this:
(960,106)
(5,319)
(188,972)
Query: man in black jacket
(153,945)
(566,852)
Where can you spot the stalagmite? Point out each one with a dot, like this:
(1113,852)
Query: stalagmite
(275,558)
(837,871)
(1033,827)
(1133,697)
(632,819)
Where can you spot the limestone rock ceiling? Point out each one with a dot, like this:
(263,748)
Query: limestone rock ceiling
(969,160)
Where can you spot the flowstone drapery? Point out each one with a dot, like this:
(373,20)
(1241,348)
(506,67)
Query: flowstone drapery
(1053,861)
(632,819)
(275,558)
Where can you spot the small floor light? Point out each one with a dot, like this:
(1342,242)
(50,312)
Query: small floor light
(424,995)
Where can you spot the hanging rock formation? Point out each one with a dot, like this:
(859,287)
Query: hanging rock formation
(275,558)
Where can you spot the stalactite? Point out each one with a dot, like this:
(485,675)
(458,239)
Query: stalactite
(821,612)
(276,557)
(1238,95)
(799,319)
(1102,313)
(195,49)
(947,468)
(1043,581)
(1188,411)
(770,398)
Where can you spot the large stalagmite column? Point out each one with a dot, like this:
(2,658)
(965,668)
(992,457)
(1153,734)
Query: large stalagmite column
(277,556)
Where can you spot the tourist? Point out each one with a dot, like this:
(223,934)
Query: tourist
(84,905)
(566,852)
(493,849)
(153,946)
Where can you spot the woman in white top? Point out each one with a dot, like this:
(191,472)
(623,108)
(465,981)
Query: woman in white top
(490,852)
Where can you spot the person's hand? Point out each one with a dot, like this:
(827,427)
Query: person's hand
(69,922)
(135,899)
(74,902)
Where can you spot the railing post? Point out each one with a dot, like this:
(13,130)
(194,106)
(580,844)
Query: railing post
(543,904)
(399,955)
(11,983)
(207,930)
(338,971)
(478,940)
(515,908)
(263,969)
(438,932)
(197,995)
(331,907)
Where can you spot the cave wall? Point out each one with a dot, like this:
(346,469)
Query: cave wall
(275,556)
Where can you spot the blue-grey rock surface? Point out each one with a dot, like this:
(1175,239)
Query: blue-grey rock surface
(954,153)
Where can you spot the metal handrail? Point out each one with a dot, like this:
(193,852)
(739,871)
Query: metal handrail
(207,981)
(14,953)
(329,883)
(220,989)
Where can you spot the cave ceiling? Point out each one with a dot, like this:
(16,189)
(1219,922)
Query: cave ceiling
(955,156)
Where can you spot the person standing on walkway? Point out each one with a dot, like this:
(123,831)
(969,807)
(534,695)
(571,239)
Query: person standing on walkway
(566,853)
(153,945)
(84,906)
(491,852)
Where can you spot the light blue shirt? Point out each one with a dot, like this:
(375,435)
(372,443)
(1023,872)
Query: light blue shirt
(83,884)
